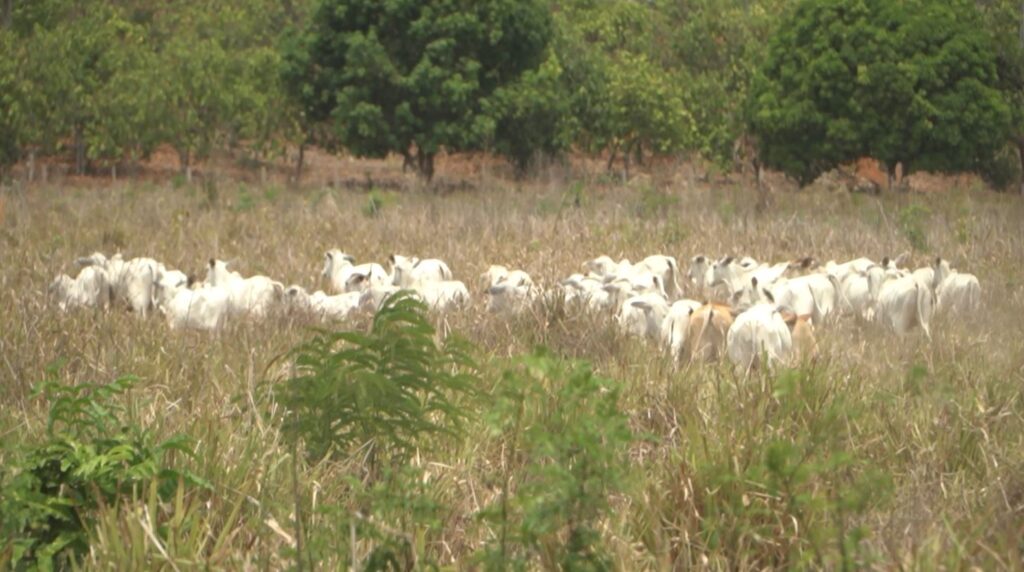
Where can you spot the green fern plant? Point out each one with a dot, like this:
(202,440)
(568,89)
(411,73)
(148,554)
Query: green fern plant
(386,389)
(91,457)
(565,423)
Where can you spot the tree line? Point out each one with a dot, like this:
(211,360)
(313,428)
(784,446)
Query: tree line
(795,85)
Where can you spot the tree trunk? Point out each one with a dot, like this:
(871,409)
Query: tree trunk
(1021,30)
(185,160)
(612,156)
(626,156)
(425,162)
(299,162)
(79,151)
(1020,155)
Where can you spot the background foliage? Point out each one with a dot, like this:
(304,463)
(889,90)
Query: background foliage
(928,84)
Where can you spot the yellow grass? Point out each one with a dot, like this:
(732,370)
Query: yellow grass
(950,439)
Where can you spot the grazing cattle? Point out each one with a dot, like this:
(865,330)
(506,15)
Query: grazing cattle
(841,271)
(497,274)
(603,266)
(340,271)
(642,315)
(90,289)
(699,273)
(959,293)
(801,331)
(858,291)
(372,297)
(407,271)
(590,291)
(131,282)
(707,333)
(904,303)
(204,308)
(676,325)
(506,297)
(443,296)
(665,268)
(337,307)
(253,296)
(734,274)
(760,331)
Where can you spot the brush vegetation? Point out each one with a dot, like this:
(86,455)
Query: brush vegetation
(413,442)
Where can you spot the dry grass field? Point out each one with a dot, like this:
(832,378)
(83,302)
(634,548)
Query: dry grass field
(882,453)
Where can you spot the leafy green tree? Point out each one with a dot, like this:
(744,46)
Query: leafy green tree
(623,99)
(410,76)
(719,44)
(911,83)
(1005,20)
(533,115)
(11,130)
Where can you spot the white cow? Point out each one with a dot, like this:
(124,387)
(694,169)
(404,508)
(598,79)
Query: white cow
(406,271)
(906,302)
(665,268)
(959,293)
(858,291)
(90,289)
(204,308)
(337,307)
(506,297)
(253,296)
(340,271)
(498,274)
(371,298)
(675,326)
(761,330)
(735,275)
(131,282)
(442,296)
(642,315)
(603,266)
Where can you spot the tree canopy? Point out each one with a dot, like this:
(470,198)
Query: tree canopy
(909,83)
(410,76)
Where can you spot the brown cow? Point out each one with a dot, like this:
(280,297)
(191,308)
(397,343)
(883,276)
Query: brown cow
(706,334)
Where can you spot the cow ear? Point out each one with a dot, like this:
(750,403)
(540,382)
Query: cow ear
(768,295)
(190,280)
(885,262)
(350,258)
(938,261)
(699,259)
(727,260)
(213,263)
(391,259)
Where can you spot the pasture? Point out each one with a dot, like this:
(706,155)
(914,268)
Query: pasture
(882,452)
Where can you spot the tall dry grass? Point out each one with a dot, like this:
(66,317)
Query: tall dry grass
(940,423)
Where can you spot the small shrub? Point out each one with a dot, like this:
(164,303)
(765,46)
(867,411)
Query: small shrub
(386,389)
(565,423)
(1003,170)
(92,456)
(654,202)
(913,220)
(246,201)
(375,202)
(178,180)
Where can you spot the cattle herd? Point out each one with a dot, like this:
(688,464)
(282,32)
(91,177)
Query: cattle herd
(763,311)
